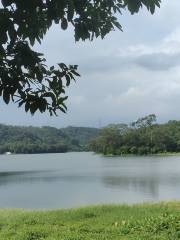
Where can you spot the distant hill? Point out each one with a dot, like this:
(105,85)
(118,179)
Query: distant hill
(45,139)
(82,134)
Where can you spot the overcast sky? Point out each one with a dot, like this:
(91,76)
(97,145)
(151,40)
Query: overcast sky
(123,77)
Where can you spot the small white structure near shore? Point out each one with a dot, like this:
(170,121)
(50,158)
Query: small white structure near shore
(8,153)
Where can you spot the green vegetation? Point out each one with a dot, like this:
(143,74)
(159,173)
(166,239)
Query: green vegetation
(45,139)
(142,137)
(139,222)
(25,77)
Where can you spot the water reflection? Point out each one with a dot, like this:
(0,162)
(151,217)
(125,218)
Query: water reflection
(83,178)
(22,177)
(147,185)
(143,183)
(138,184)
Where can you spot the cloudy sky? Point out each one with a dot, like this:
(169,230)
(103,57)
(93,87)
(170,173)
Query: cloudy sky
(123,77)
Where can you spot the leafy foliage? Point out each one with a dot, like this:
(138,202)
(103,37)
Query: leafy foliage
(144,137)
(145,121)
(25,77)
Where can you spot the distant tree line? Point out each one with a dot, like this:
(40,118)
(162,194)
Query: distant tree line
(142,137)
(17,139)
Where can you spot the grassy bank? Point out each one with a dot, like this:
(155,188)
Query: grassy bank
(155,221)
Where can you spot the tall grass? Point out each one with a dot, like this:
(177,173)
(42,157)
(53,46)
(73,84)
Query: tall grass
(138,222)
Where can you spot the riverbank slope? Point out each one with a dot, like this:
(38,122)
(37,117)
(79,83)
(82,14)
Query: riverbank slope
(138,222)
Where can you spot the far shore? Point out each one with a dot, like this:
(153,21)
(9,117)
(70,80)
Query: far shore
(165,154)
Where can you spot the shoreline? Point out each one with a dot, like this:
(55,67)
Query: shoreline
(104,155)
(168,154)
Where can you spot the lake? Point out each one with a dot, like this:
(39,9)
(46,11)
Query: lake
(49,181)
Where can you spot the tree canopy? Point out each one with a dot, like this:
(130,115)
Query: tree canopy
(144,137)
(25,77)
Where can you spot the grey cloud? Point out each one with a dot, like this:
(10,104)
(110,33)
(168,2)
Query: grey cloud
(158,61)
(103,64)
(153,62)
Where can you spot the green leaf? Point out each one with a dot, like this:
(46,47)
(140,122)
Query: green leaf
(71,10)
(34,107)
(75,73)
(27,106)
(21,103)
(68,80)
(62,109)
(64,24)
(6,96)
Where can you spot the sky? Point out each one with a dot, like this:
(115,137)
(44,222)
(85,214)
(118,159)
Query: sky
(127,75)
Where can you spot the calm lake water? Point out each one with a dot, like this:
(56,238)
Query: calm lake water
(78,179)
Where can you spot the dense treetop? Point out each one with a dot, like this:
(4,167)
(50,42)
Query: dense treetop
(143,137)
(25,77)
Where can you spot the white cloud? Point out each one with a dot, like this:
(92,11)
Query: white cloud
(170,45)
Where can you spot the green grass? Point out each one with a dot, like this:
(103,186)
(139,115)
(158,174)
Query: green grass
(138,222)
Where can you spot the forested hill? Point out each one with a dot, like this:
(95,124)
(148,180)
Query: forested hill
(143,136)
(17,139)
